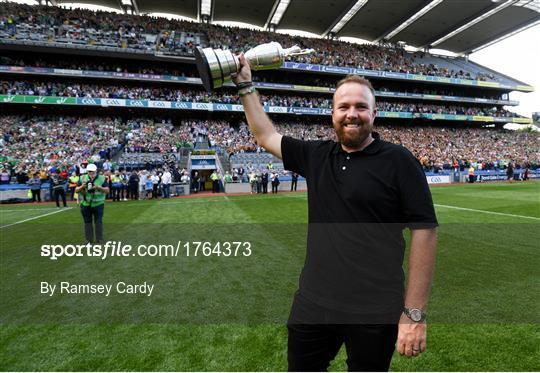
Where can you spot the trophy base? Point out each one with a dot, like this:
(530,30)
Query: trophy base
(204,69)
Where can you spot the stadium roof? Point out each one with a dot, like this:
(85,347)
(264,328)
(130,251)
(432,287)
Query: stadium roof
(459,26)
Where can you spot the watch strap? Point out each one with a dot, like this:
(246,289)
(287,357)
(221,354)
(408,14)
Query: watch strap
(409,313)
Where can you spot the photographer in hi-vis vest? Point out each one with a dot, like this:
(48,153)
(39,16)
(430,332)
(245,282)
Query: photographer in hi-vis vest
(92,189)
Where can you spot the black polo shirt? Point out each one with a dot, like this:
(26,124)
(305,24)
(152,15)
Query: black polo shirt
(359,203)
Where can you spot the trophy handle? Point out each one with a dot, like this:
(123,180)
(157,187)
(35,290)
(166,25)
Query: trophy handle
(296,51)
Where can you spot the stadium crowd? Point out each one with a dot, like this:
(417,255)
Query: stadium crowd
(148,68)
(41,142)
(29,146)
(45,23)
(110,66)
(337,53)
(48,88)
(81,26)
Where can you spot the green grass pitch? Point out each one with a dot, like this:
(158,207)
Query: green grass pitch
(227,314)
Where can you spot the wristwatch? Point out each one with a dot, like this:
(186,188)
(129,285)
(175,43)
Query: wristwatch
(415,314)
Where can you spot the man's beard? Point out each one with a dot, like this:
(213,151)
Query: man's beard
(352,139)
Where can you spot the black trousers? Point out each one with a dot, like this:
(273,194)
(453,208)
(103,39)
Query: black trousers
(294,184)
(134,191)
(312,345)
(36,195)
(60,193)
(115,192)
(93,215)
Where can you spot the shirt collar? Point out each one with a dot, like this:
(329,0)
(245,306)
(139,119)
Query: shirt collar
(372,148)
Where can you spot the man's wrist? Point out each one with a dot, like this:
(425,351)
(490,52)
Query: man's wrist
(246,91)
(245,84)
(415,314)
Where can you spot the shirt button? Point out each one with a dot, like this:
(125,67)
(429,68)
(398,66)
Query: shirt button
(343,168)
(348,157)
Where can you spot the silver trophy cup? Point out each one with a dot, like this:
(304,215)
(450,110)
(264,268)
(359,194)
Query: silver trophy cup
(217,65)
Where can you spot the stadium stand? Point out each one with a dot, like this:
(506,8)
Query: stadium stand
(45,142)
(54,89)
(440,121)
(150,34)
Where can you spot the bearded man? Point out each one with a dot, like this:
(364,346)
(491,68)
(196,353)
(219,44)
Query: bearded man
(362,193)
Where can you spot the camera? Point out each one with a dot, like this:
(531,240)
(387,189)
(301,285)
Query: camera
(90,187)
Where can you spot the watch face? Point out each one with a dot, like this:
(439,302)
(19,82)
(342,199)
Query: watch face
(416,314)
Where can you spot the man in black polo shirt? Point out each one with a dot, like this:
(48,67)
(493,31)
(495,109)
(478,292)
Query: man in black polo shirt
(362,193)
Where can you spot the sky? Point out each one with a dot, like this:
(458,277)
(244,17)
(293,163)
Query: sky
(517,56)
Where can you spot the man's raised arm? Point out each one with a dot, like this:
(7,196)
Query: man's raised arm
(259,123)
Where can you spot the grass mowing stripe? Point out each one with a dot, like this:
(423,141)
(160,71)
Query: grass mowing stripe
(487,212)
(225,199)
(35,217)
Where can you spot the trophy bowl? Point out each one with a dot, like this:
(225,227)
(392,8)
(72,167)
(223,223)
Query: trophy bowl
(217,66)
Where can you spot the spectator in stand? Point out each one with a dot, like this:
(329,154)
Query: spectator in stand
(227,178)
(116,185)
(155,184)
(294,181)
(275,182)
(264,181)
(149,186)
(134,185)
(526,173)
(166,179)
(143,176)
(124,191)
(258,181)
(58,184)
(215,182)
(35,187)
(252,178)
(470,173)
(4,176)
(22,176)
(510,171)
(107,166)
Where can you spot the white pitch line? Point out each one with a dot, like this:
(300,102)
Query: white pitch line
(488,212)
(18,210)
(34,218)
(462,208)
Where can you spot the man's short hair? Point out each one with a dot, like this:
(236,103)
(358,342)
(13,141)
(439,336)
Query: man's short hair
(359,80)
